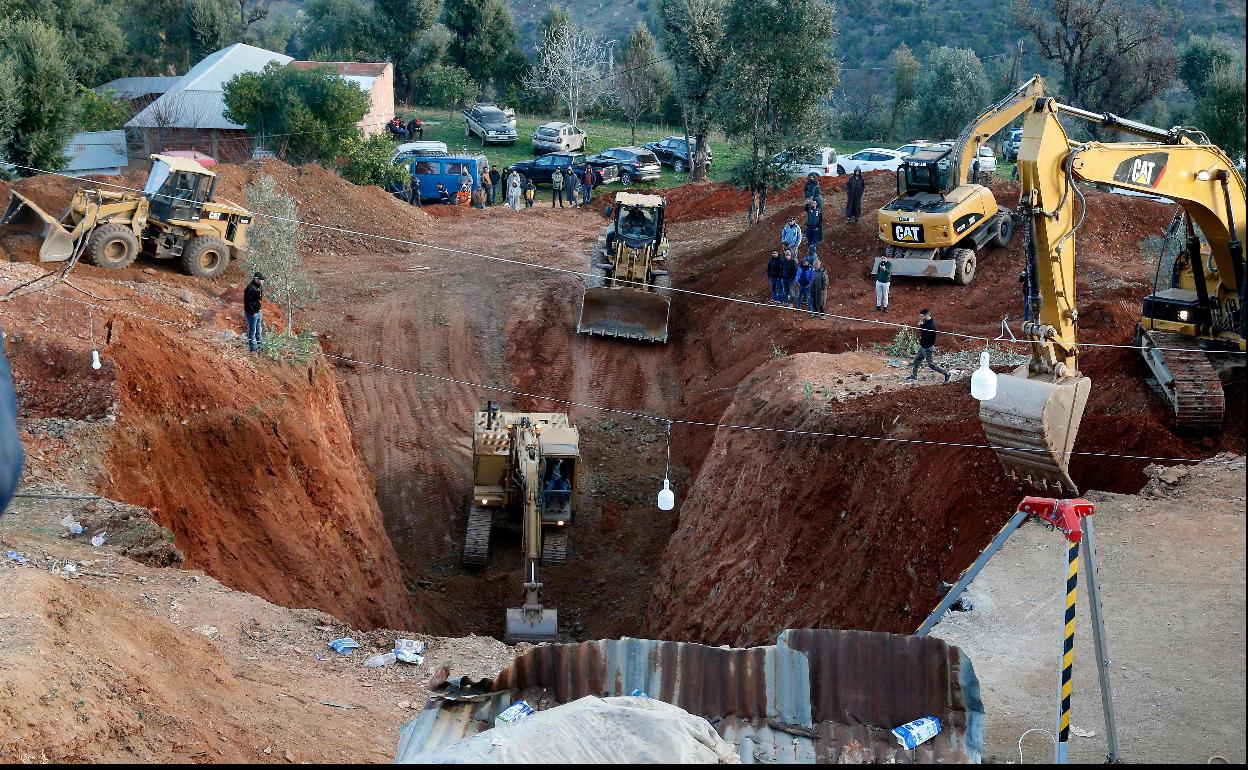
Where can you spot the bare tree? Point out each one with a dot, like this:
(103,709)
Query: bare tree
(573,64)
(174,111)
(1113,58)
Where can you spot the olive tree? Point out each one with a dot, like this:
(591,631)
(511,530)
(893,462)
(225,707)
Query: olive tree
(952,91)
(273,248)
(693,36)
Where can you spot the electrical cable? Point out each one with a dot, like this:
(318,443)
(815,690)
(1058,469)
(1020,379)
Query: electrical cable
(638,284)
(1024,735)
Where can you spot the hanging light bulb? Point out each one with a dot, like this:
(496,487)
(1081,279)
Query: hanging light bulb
(95,359)
(984,380)
(667,498)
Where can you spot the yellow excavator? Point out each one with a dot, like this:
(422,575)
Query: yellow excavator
(525,468)
(941,218)
(1194,322)
(627,296)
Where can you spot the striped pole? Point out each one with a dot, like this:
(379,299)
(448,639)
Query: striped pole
(1068,650)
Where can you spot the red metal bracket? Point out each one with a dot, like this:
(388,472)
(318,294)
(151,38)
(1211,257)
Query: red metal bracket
(1065,515)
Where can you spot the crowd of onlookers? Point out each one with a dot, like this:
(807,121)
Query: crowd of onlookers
(509,187)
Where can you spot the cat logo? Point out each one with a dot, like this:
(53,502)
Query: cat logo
(908,233)
(1142,170)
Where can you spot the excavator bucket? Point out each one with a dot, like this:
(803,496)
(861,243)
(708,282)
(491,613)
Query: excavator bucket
(531,624)
(58,243)
(628,313)
(1032,425)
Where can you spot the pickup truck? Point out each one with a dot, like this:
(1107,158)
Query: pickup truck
(540,169)
(489,124)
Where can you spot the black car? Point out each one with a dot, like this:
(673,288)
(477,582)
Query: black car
(673,152)
(540,169)
(635,163)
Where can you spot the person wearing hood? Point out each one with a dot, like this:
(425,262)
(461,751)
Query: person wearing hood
(812,186)
(853,196)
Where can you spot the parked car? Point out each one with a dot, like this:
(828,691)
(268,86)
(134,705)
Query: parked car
(821,162)
(489,124)
(987,160)
(635,164)
(558,137)
(429,168)
(872,159)
(673,152)
(913,147)
(540,169)
(1012,143)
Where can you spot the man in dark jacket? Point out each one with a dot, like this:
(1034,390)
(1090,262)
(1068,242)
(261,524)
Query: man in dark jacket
(496,190)
(415,129)
(805,276)
(927,343)
(444,195)
(853,196)
(253,299)
(569,185)
(787,275)
(775,273)
(811,188)
(11,453)
(818,290)
(814,224)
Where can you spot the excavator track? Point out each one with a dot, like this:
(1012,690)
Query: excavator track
(555,547)
(477,541)
(1188,381)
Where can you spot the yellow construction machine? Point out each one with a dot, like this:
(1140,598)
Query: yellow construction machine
(525,468)
(175,217)
(941,219)
(627,293)
(1195,321)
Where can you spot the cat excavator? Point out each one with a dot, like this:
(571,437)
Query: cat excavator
(526,467)
(1189,328)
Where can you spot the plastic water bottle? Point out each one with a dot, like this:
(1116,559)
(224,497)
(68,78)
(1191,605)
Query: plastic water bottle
(378,661)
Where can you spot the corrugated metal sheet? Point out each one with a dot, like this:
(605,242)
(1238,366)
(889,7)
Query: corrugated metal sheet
(133,88)
(96,152)
(814,696)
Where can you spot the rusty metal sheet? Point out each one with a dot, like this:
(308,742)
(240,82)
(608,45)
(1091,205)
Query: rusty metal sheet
(816,696)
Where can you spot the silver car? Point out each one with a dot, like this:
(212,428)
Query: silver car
(558,137)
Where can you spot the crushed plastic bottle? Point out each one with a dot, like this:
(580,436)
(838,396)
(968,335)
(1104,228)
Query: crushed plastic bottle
(98,540)
(380,661)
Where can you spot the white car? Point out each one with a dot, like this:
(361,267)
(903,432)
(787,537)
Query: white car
(987,160)
(913,147)
(558,137)
(872,159)
(821,162)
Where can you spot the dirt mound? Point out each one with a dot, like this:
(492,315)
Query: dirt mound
(253,468)
(708,200)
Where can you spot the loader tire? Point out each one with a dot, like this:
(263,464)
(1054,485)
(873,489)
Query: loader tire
(964,266)
(113,246)
(206,257)
(1005,232)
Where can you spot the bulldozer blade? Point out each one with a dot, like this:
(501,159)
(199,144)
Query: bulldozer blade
(58,243)
(531,625)
(629,313)
(1032,426)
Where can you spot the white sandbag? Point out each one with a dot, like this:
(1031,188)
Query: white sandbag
(624,729)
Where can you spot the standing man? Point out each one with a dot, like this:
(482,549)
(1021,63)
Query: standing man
(587,185)
(253,299)
(556,188)
(853,196)
(513,190)
(787,275)
(496,178)
(927,342)
(811,188)
(530,192)
(883,278)
(814,224)
(775,273)
(805,276)
(569,186)
(818,290)
(791,236)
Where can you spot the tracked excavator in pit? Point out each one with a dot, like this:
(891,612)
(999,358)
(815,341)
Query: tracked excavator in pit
(1192,325)
(525,468)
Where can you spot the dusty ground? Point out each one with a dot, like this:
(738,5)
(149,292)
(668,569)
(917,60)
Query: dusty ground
(1172,576)
(126,662)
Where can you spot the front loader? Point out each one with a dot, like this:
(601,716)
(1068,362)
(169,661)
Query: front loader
(525,475)
(626,296)
(174,216)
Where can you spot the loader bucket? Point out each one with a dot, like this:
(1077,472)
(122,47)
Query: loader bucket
(58,243)
(628,313)
(531,624)
(1032,426)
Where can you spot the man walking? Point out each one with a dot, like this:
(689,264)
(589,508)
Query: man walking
(775,273)
(805,276)
(818,290)
(883,278)
(253,299)
(927,342)
(787,275)
(791,236)
(853,196)
(556,188)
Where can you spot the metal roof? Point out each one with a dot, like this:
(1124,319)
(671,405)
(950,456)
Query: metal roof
(638,199)
(197,100)
(814,696)
(133,88)
(94,152)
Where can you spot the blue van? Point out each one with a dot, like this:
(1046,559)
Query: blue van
(430,168)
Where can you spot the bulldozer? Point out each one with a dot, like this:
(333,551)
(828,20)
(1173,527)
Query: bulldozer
(525,468)
(941,218)
(174,217)
(1192,326)
(627,292)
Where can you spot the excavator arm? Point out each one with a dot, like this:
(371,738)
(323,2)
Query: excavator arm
(530,622)
(1003,113)
(1035,416)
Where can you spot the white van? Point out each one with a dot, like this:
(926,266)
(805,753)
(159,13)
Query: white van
(821,162)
